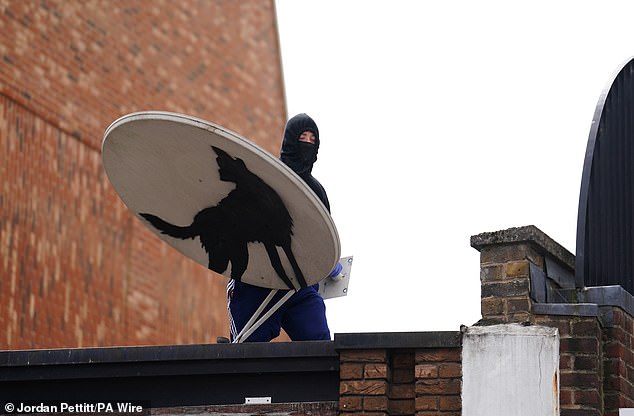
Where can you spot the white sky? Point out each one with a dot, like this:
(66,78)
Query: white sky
(440,120)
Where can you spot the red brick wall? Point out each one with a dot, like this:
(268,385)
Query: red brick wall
(596,360)
(364,381)
(618,362)
(438,382)
(580,363)
(506,283)
(424,382)
(76,269)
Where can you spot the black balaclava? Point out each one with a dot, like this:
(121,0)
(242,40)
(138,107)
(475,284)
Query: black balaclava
(297,155)
(301,156)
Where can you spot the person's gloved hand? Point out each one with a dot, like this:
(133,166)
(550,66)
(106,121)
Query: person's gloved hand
(336,273)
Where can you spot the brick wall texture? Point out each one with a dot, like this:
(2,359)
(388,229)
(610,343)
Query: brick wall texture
(596,360)
(76,268)
(425,382)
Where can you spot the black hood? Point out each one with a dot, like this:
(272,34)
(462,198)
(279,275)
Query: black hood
(297,155)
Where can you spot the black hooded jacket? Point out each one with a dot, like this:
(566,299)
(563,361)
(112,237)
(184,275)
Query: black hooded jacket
(301,156)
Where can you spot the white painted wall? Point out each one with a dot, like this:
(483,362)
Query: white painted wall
(510,370)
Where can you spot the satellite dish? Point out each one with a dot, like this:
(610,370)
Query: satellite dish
(220,200)
(605,223)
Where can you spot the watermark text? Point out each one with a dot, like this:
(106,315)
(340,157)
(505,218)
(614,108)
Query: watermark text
(113,408)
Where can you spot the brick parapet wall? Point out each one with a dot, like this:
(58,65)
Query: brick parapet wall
(580,363)
(438,374)
(400,374)
(77,269)
(364,381)
(505,283)
(596,342)
(402,383)
(618,361)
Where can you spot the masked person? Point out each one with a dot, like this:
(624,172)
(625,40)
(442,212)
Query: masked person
(303,316)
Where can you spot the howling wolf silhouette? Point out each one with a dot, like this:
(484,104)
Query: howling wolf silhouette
(252,212)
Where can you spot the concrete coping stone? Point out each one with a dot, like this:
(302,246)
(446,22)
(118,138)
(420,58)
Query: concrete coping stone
(513,329)
(527,234)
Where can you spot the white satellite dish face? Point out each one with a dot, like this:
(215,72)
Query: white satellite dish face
(220,200)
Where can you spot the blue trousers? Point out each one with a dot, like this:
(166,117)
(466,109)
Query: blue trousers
(303,316)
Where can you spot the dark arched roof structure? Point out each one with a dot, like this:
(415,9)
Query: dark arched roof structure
(605,223)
